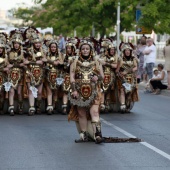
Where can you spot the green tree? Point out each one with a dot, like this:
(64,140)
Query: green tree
(65,16)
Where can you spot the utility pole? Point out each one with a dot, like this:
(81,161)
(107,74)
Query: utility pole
(118,27)
(75,33)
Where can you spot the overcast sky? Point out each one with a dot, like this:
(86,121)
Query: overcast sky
(8,4)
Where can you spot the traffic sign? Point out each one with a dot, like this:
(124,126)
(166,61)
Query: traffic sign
(142,30)
(138,14)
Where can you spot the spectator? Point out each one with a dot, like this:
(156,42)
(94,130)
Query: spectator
(167,59)
(61,43)
(149,88)
(139,52)
(160,83)
(150,56)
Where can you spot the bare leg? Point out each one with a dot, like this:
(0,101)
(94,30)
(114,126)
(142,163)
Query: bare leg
(11,96)
(82,119)
(82,124)
(49,100)
(169,78)
(49,95)
(65,102)
(40,87)
(31,101)
(39,99)
(102,106)
(122,96)
(31,97)
(94,112)
(20,102)
(122,100)
(11,101)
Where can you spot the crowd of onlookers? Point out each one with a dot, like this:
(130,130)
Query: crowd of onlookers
(154,79)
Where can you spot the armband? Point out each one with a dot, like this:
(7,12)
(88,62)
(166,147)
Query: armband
(100,78)
(73,86)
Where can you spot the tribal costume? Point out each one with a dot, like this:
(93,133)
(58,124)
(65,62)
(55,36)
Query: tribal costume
(54,59)
(127,82)
(85,95)
(16,59)
(3,69)
(35,71)
(68,58)
(109,60)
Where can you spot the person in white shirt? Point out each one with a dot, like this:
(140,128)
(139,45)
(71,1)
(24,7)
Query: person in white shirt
(160,83)
(149,88)
(150,57)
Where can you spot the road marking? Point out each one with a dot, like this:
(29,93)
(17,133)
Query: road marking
(162,153)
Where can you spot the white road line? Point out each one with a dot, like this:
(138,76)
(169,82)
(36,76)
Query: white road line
(162,153)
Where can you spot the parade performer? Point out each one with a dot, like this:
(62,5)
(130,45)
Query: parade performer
(16,65)
(35,72)
(85,76)
(54,59)
(68,58)
(109,62)
(127,82)
(3,69)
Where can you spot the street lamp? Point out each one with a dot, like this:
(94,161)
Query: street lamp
(118,27)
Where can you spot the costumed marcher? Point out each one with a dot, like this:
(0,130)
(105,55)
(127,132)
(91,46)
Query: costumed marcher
(109,62)
(85,94)
(47,40)
(54,60)
(35,72)
(127,81)
(16,58)
(28,36)
(3,69)
(68,58)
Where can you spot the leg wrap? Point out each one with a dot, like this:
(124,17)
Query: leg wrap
(64,108)
(11,110)
(97,131)
(31,111)
(38,104)
(49,109)
(20,107)
(83,137)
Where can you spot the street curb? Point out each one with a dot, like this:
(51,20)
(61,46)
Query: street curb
(163,92)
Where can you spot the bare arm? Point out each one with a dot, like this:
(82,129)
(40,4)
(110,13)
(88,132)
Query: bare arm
(72,74)
(160,78)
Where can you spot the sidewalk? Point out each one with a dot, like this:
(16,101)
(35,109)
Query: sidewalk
(163,92)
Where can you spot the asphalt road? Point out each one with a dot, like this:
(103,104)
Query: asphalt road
(44,142)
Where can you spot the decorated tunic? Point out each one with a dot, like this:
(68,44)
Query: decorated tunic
(16,72)
(53,71)
(127,64)
(3,76)
(66,72)
(35,72)
(109,73)
(87,89)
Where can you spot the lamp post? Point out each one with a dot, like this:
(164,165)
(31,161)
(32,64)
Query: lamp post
(118,27)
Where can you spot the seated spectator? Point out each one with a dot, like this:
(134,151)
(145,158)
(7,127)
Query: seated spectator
(148,88)
(160,83)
